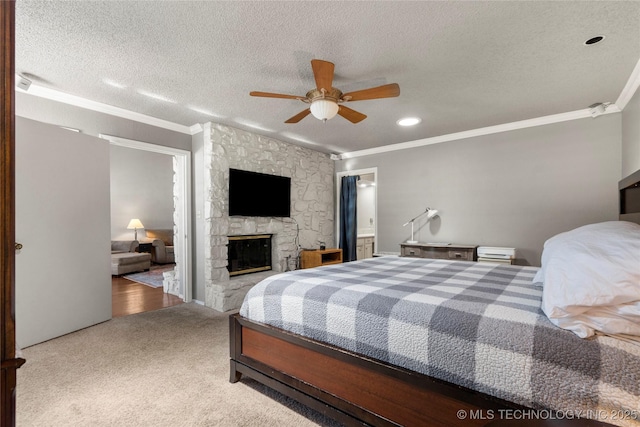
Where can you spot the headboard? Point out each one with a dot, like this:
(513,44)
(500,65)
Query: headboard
(629,190)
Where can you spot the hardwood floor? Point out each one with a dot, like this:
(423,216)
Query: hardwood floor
(129,297)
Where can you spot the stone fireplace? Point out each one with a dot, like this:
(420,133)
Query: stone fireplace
(312,208)
(249,254)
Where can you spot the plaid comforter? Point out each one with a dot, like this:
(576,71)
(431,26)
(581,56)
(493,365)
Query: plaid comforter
(473,324)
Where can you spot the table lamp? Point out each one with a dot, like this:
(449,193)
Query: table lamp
(134,224)
(430,214)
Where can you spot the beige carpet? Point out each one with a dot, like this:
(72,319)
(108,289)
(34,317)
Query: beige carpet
(163,368)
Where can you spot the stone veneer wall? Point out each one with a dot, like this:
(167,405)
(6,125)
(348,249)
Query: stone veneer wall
(312,206)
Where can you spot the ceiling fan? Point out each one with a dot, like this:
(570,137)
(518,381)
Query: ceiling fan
(325,100)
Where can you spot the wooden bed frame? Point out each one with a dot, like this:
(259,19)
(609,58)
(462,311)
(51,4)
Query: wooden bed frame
(350,388)
(360,391)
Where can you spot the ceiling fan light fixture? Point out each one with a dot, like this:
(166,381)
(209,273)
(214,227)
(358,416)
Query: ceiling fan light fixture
(323,100)
(324,109)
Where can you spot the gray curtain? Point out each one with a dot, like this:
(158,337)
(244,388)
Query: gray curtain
(348,217)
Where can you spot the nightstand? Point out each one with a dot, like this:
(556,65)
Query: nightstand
(145,247)
(316,258)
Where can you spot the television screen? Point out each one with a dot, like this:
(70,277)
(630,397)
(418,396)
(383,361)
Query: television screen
(258,194)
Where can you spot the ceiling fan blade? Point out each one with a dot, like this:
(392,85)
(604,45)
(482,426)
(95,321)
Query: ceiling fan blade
(352,115)
(384,91)
(301,115)
(276,95)
(323,73)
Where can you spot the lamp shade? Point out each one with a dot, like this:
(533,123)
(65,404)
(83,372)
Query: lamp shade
(134,224)
(431,213)
(324,109)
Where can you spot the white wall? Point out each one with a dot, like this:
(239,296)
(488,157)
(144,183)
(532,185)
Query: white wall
(631,136)
(63,278)
(512,189)
(198,208)
(141,187)
(366,209)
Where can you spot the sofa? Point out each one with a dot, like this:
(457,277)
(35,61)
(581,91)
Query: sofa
(161,245)
(125,259)
(121,246)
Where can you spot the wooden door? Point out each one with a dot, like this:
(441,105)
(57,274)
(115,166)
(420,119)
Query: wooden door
(62,205)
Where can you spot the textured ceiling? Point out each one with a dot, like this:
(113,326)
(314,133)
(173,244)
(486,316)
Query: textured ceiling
(460,65)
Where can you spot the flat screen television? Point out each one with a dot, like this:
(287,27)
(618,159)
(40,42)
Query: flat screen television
(258,194)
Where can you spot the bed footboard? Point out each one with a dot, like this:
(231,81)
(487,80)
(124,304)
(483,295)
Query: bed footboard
(350,388)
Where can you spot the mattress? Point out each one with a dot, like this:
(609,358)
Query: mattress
(472,324)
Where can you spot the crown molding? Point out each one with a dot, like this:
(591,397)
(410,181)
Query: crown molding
(630,88)
(144,146)
(625,96)
(627,93)
(197,128)
(88,104)
(523,124)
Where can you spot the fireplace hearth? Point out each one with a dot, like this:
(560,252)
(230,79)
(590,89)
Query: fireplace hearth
(249,254)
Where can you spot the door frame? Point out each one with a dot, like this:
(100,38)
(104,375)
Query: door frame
(9,360)
(182,191)
(339,175)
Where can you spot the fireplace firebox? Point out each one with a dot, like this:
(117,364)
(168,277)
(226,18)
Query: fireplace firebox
(249,254)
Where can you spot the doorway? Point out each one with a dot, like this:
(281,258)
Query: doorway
(182,214)
(367,208)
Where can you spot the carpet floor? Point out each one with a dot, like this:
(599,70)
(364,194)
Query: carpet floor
(168,367)
(153,277)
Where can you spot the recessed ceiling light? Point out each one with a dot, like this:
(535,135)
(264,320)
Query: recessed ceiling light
(594,40)
(409,121)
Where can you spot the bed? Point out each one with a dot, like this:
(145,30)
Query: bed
(460,343)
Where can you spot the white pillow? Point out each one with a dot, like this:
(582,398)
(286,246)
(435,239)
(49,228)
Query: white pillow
(591,279)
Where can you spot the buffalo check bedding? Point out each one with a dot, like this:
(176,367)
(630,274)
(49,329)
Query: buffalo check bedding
(477,325)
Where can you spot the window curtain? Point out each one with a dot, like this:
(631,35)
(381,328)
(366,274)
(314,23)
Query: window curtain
(348,217)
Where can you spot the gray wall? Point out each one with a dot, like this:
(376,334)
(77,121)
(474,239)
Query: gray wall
(631,136)
(512,189)
(480,211)
(141,187)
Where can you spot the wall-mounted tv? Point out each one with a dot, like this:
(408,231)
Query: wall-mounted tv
(258,194)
